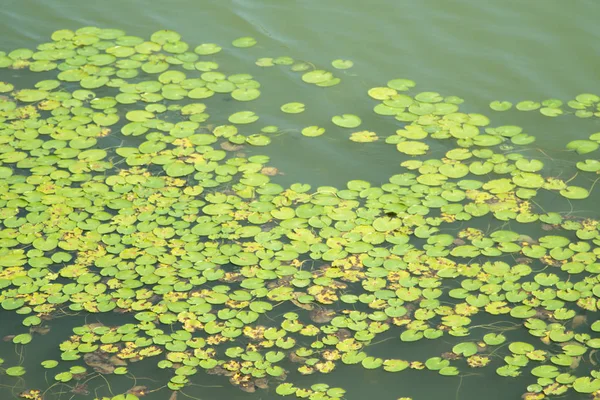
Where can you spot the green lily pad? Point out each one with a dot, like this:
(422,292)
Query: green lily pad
(313,131)
(372,362)
(285,389)
(31,95)
(293,108)
(15,371)
(245,94)
(412,148)
(449,371)
(401,84)
(582,146)
(364,137)
(178,169)
(545,371)
(93,82)
(317,76)
(64,376)
(527,105)
(575,193)
(346,120)
(243,117)
(244,42)
(436,363)
(394,365)
(23,338)
(465,349)
(585,384)
(520,347)
(589,165)
(342,64)
(500,105)
(494,339)
(206,49)
(49,364)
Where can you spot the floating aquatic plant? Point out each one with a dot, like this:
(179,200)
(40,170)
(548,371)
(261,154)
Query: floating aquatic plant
(584,105)
(195,243)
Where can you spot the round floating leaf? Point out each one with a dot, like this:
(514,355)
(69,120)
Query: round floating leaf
(575,193)
(6,87)
(412,148)
(265,62)
(165,36)
(64,376)
(342,64)
(372,362)
(429,97)
(401,84)
(585,384)
(395,365)
(31,95)
(93,82)
(346,120)
(500,105)
(313,131)
(582,146)
(258,140)
(411,336)
(317,76)
(494,339)
(520,347)
(529,165)
(527,105)
(15,371)
(589,165)
(465,349)
(178,169)
(364,137)
(245,94)
(244,42)
(207,48)
(292,108)
(551,112)
(285,389)
(49,364)
(23,338)
(243,117)
(545,371)
(509,370)
(11,303)
(449,371)
(436,363)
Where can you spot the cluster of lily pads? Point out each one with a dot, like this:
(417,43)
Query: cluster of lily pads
(225,272)
(585,105)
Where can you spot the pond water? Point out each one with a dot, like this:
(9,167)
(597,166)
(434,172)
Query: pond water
(508,51)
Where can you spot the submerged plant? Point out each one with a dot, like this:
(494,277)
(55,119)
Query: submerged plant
(226,272)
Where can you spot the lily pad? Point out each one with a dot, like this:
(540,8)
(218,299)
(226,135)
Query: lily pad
(412,148)
(582,146)
(293,108)
(317,76)
(244,42)
(500,105)
(15,371)
(243,117)
(346,120)
(313,131)
(342,64)
(207,49)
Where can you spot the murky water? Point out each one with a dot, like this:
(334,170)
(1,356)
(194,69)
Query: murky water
(510,50)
